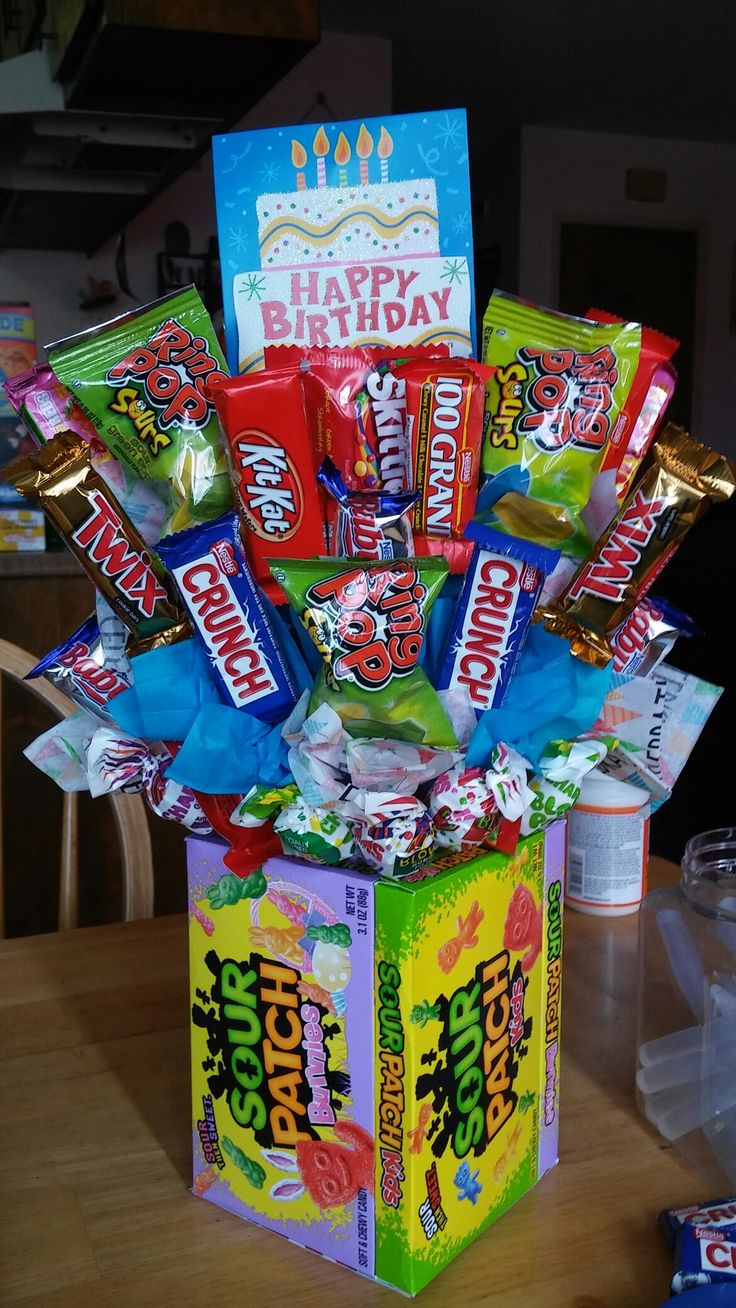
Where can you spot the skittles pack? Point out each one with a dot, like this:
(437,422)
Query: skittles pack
(375,1065)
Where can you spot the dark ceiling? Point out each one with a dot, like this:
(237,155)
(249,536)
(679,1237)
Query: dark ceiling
(648,67)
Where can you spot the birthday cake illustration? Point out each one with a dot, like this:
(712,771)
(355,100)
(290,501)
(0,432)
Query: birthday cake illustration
(345,224)
(354,254)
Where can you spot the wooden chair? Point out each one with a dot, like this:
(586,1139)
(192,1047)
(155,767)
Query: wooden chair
(129,812)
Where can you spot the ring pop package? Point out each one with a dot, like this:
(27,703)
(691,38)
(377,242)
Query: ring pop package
(369,623)
(142,379)
(553,402)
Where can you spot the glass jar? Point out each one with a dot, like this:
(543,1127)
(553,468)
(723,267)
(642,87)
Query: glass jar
(686,1041)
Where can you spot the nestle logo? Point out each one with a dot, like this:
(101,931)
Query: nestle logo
(225,555)
(466,467)
(529,578)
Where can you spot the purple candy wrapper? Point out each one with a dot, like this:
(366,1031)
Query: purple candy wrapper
(78,668)
(225,606)
(498,598)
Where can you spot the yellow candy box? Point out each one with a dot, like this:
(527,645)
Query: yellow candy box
(375,1064)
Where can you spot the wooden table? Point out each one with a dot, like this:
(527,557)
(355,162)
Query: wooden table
(96,1147)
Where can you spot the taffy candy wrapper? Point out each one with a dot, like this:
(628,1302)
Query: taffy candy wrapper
(395,765)
(469,805)
(262,803)
(119,762)
(394,834)
(556,789)
(316,745)
(315,832)
(553,696)
(141,380)
(61,752)
(249,846)
(369,621)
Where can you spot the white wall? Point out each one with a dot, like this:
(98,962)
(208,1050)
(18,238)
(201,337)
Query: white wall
(579,176)
(354,73)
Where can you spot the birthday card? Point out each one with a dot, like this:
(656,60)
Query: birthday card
(346,233)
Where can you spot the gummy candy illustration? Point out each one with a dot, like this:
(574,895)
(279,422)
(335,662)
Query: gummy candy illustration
(468,1186)
(425,1012)
(332,1174)
(337,934)
(252,1171)
(466,938)
(230,889)
(523,927)
(418,1134)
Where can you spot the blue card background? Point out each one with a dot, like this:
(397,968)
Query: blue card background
(249,164)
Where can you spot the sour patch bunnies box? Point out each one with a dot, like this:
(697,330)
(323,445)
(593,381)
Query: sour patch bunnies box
(375,1063)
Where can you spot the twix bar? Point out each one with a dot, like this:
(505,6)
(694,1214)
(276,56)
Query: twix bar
(678,488)
(97,531)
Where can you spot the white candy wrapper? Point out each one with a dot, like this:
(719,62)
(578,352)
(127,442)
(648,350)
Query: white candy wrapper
(61,752)
(115,761)
(395,834)
(395,765)
(557,787)
(261,802)
(464,809)
(169,799)
(315,832)
(506,778)
(317,754)
(114,636)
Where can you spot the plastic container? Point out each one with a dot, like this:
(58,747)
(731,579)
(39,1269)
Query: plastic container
(686,1043)
(607,847)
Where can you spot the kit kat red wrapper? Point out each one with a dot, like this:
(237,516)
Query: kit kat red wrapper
(97,531)
(273,468)
(678,488)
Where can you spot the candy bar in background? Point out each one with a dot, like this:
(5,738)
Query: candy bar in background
(370,524)
(80,668)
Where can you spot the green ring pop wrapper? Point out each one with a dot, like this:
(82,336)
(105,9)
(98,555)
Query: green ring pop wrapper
(369,622)
(142,381)
(552,405)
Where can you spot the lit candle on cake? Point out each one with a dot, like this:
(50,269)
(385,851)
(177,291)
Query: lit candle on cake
(342,158)
(384,149)
(364,149)
(299,159)
(321,147)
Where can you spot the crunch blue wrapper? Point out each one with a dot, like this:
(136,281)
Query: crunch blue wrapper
(222,599)
(501,590)
(704,1255)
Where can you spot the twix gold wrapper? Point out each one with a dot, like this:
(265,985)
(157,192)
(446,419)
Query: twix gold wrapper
(681,484)
(94,526)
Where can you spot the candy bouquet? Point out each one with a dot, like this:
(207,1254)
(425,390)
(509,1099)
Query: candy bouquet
(312,632)
(360,614)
